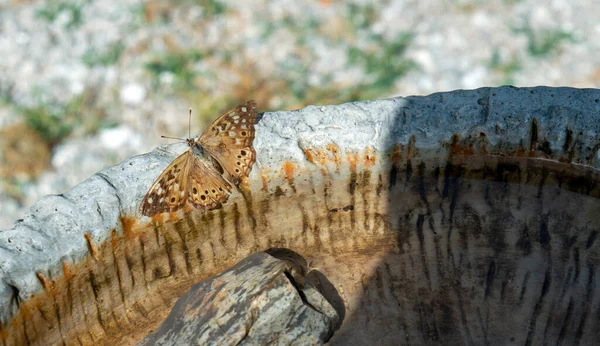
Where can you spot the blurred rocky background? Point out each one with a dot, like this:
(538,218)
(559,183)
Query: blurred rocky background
(85,84)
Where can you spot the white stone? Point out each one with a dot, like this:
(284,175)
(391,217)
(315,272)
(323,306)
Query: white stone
(119,137)
(133,94)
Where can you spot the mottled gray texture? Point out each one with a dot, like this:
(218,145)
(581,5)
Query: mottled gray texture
(53,228)
(257,302)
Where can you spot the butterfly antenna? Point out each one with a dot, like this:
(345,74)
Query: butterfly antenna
(181,139)
(190,125)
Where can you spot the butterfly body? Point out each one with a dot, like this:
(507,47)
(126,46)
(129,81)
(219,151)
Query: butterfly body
(203,175)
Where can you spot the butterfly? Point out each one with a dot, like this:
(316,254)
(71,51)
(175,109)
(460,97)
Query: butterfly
(203,175)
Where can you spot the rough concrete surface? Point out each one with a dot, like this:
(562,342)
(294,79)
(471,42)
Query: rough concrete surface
(335,164)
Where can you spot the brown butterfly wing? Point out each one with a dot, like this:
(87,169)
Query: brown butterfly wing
(206,188)
(229,141)
(167,194)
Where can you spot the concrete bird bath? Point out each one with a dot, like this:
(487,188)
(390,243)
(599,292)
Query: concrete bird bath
(467,217)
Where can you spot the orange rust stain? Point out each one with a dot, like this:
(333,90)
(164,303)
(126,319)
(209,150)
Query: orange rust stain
(92,247)
(67,272)
(45,283)
(456,148)
(321,158)
(173,216)
(411,147)
(128,226)
(369,158)
(158,218)
(288,168)
(353,159)
(114,239)
(265,180)
(309,156)
(38,302)
(521,151)
(322,155)
(335,151)
(187,208)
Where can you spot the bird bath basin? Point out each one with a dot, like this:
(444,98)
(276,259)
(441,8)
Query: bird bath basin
(466,217)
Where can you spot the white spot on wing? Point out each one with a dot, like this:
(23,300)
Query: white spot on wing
(150,200)
(231,133)
(244,109)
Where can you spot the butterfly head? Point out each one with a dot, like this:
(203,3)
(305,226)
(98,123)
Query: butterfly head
(190,142)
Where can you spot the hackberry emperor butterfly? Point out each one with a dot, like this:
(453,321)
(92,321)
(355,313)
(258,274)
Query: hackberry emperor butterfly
(202,176)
